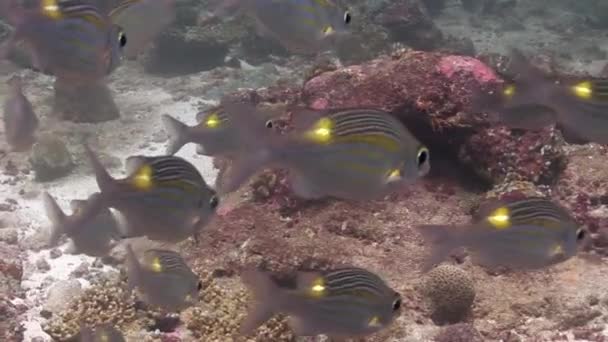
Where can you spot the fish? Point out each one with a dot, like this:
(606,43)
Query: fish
(353,154)
(345,302)
(163,279)
(69,39)
(533,100)
(526,234)
(164,197)
(92,228)
(301,26)
(20,120)
(142,21)
(213,134)
(102,333)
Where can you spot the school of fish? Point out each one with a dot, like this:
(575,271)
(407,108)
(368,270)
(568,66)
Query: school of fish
(356,154)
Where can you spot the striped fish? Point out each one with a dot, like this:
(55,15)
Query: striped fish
(345,302)
(70,39)
(142,21)
(534,100)
(301,26)
(163,279)
(102,333)
(214,134)
(164,198)
(357,154)
(525,234)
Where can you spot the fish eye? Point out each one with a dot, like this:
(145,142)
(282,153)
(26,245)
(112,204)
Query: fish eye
(397,304)
(580,234)
(347,17)
(269,124)
(199,286)
(423,156)
(122,39)
(213,202)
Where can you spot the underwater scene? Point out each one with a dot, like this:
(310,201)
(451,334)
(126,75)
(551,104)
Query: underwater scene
(303,170)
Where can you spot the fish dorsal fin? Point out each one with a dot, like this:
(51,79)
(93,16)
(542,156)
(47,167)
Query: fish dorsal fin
(312,284)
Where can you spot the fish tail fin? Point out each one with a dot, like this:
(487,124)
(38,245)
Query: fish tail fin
(264,292)
(105,181)
(56,216)
(442,240)
(178,133)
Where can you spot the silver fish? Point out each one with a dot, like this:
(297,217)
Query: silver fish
(20,121)
(525,234)
(163,279)
(214,134)
(92,228)
(345,302)
(102,333)
(70,39)
(142,21)
(533,100)
(164,198)
(356,154)
(301,26)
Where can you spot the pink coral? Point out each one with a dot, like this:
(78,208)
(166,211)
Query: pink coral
(450,65)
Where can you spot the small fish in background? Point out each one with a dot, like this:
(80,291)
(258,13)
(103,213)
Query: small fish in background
(92,229)
(356,154)
(142,21)
(20,121)
(533,100)
(214,134)
(102,333)
(346,302)
(301,26)
(525,234)
(164,198)
(70,39)
(163,279)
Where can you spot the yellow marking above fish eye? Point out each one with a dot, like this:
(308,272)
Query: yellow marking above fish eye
(156,265)
(142,179)
(500,218)
(583,90)
(213,121)
(321,131)
(509,91)
(51,9)
(374,322)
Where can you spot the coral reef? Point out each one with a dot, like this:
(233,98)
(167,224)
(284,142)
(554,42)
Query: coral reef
(50,159)
(11,273)
(106,302)
(451,292)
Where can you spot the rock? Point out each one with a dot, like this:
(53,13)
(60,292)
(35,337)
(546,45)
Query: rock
(90,102)
(81,270)
(450,291)
(10,286)
(9,235)
(55,253)
(61,294)
(500,154)
(408,22)
(50,159)
(189,50)
(42,265)
(434,7)
(461,332)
